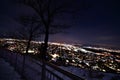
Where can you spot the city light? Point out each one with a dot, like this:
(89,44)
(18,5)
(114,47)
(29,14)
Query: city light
(101,59)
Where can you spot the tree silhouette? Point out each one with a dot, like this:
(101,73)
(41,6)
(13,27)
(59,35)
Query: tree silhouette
(47,10)
(29,31)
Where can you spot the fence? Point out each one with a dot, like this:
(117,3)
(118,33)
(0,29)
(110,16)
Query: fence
(33,68)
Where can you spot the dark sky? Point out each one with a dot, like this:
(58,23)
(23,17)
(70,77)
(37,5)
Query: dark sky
(96,22)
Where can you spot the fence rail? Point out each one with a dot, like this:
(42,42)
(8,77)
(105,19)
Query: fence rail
(33,68)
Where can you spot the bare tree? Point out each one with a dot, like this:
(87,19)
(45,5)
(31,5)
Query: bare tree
(47,10)
(29,31)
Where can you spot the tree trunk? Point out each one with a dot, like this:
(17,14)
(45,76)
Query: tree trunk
(24,56)
(44,53)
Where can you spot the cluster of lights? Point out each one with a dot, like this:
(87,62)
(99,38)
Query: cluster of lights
(54,56)
(66,46)
(109,50)
(71,48)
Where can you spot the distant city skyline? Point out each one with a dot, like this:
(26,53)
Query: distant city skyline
(96,22)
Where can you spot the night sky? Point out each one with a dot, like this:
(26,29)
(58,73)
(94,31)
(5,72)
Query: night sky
(96,22)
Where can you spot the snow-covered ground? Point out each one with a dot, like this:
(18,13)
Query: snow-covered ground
(91,75)
(7,72)
(33,69)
